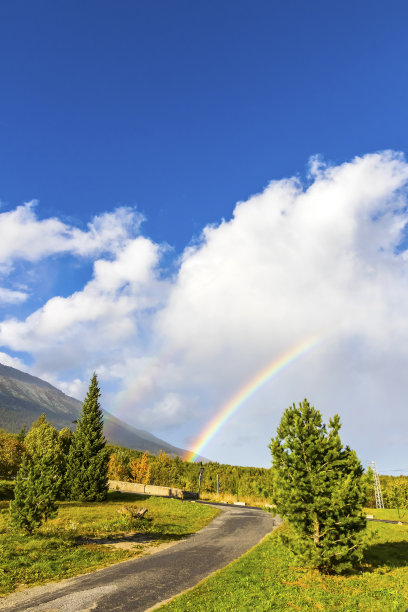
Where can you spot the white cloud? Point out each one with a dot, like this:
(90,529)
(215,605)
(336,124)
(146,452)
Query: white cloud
(294,261)
(169,411)
(76,388)
(9,296)
(24,236)
(90,329)
(13,362)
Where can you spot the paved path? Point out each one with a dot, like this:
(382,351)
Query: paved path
(139,584)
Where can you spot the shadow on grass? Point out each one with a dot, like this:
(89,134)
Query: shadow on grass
(134,537)
(390,554)
(126,496)
(112,497)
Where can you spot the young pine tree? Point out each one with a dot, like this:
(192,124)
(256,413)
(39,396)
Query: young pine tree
(88,457)
(35,492)
(43,446)
(319,489)
(39,478)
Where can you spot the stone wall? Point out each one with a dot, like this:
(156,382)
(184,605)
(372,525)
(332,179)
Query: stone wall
(135,487)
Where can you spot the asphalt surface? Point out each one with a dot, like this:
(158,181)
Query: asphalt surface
(140,584)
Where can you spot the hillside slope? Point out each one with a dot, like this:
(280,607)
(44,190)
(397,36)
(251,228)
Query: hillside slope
(24,397)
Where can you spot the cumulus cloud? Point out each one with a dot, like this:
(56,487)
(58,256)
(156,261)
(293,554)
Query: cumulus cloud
(106,313)
(24,236)
(326,258)
(295,261)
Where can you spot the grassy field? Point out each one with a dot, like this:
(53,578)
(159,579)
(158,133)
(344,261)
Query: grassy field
(85,536)
(268,578)
(389,514)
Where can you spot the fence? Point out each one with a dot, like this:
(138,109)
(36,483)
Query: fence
(142,489)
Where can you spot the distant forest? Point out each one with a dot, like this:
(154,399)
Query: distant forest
(132,465)
(238,482)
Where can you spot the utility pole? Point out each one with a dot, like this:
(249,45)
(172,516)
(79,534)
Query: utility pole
(379,502)
(200,477)
(218,484)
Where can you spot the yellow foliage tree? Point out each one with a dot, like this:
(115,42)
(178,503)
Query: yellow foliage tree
(11,453)
(116,469)
(140,469)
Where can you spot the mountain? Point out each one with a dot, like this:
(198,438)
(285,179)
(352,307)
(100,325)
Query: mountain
(23,398)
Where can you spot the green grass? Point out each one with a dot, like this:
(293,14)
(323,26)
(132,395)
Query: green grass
(67,545)
(390,514)
(268,578)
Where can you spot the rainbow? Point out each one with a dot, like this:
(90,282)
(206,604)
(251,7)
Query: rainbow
(249,389)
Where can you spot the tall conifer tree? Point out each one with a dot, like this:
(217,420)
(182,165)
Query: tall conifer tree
(319,489)
(88,457)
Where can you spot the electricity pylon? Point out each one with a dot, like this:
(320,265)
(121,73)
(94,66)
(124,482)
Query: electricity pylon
(379,502)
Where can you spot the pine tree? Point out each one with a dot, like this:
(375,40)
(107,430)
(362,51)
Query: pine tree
(35,492)
(319,489)
(39,478)
(88,456)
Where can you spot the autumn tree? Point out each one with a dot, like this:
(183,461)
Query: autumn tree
(117,468)
(319,489)
(140,469)
(11,453)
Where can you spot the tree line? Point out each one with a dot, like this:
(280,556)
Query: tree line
(162,470)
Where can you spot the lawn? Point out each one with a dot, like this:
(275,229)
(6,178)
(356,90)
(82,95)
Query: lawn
(268,578)
(71,544)
(389,514)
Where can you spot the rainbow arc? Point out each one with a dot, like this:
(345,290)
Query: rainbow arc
(246,392)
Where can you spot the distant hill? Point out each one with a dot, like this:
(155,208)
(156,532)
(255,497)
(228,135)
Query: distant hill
(23,398)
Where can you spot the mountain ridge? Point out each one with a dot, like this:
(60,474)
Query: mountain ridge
(24,397)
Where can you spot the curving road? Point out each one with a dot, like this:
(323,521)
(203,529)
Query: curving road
(139,584)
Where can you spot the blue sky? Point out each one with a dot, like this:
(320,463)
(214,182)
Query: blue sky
(184,108)
(178,111)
